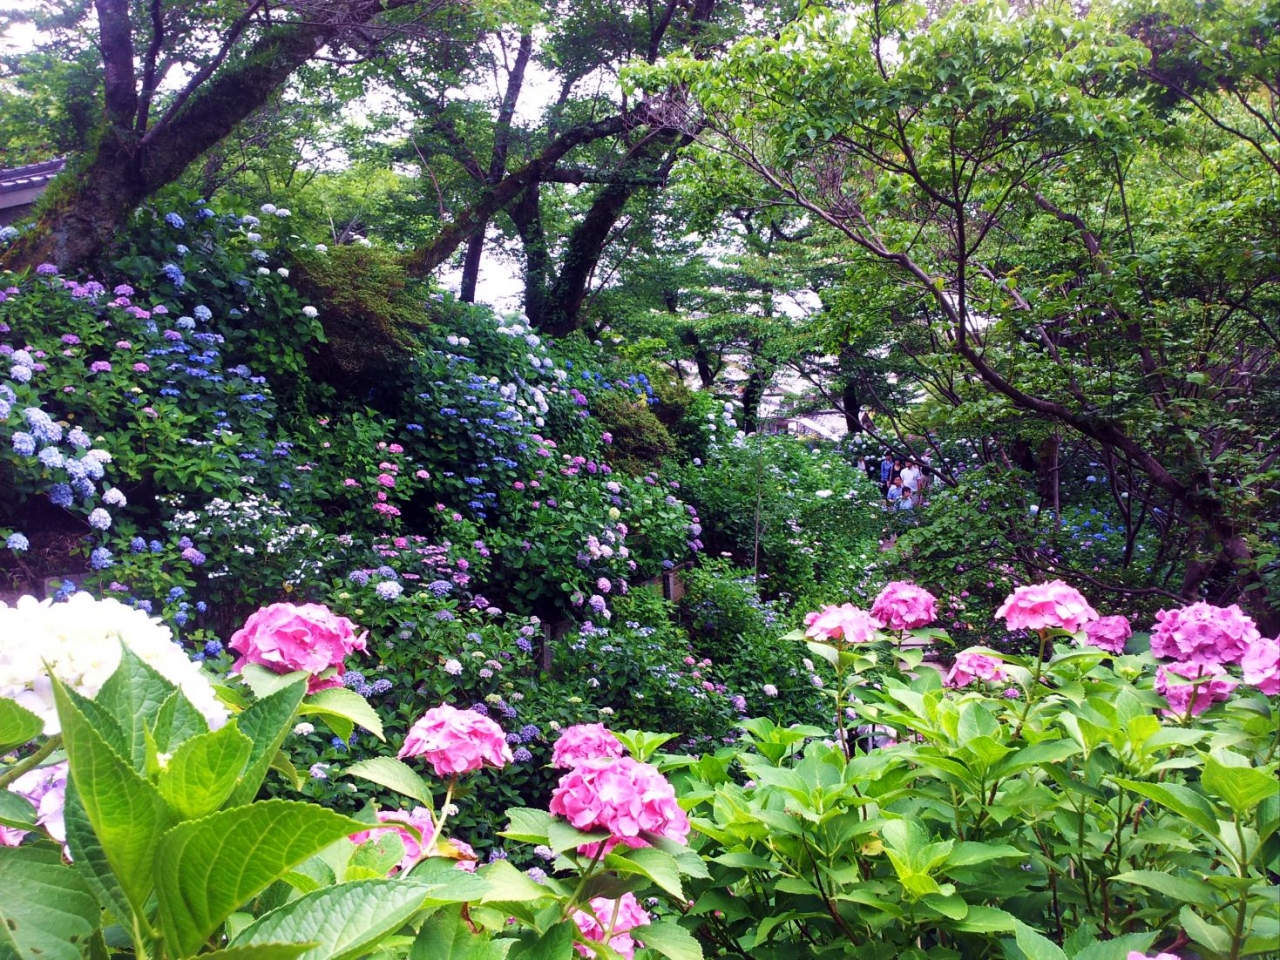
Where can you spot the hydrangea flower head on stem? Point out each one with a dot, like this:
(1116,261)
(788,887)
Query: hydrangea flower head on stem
(1108,633)
(622,796)
(904,606)
(845,622)
(284,637)
(974,665)
(585,741)
(456,741)
(611,919)
(1192,687)
(1261,663)
(1041,606)
(1203,633)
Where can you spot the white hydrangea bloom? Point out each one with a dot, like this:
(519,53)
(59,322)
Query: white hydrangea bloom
(80,641)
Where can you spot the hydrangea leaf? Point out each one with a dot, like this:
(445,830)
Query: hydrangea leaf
(338,704)
(260,951)
(176,721)
(127,813)
(527,826)
(394,775)
(649,862)
(204,771)
(669,939)
(89,858)
(266,723)
(17,725)
(207,868)
(446,936)
(342,922)
(16,811)
(47,912)
(134,696)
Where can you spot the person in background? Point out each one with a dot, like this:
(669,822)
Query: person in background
(886,469)
(906,501)
(895,492)
(911,476)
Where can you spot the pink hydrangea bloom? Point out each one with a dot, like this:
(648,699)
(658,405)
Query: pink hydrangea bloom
(386,479)
(456,741)
(585,741)
(1135,955)
(845,622)
(420,819)
(904,606)
(623,796)
(1108,633)
(46,788)
(973,665)
(1041,606)
(285,637)
(1180,682)
(1203,633)
(616,918)
(1261,663)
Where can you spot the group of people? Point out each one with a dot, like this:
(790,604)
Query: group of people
(902,483)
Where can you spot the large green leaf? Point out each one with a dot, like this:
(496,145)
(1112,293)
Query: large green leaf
(446,936)
(17,725)
(16,811)
(259,951)
(1240,788)
(133,695)
(1181,800)
(89,858)
(46,912)
(1180,889)
(394,775)
(526,825)
(347,706)
(207,868)
(343,922)
(659,867)
(204,770)
(266,722)
(176,721)
(670,940)
(126,812)
(555,944)
(1036,946)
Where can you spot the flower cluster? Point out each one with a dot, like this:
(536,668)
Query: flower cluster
(80,643)
(973,664)
(1046,606)
(1202,640)
(904,606)
(45,788)
(285,637)
(585,741)
(422,825)
(622,796)
(456,741)
(611,921)
(845,623)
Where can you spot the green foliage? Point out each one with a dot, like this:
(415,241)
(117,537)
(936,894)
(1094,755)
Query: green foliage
(640,441)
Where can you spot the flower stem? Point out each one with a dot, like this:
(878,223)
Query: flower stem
(31,762)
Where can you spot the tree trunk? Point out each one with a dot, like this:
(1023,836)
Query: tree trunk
(471,266)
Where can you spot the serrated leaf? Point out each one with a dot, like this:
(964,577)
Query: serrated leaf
(394,775)
(983,919)
(343,922)
(17,725)
(133,695)
(47,912)
(526,825)
(89,858)
(669,939)
(376,858)
(563,836)
(659,867)
(126,812)
(1117,948)
(507,884)
(264,683)
(555,944)
(446,936)
(1241,788)
(206,868)
(266,722)
(1216,938)
(259,951)
(1181,889)
(176,721)
(1036,946)
(1181,800)
(16,811)
(341,704)
(204,771)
